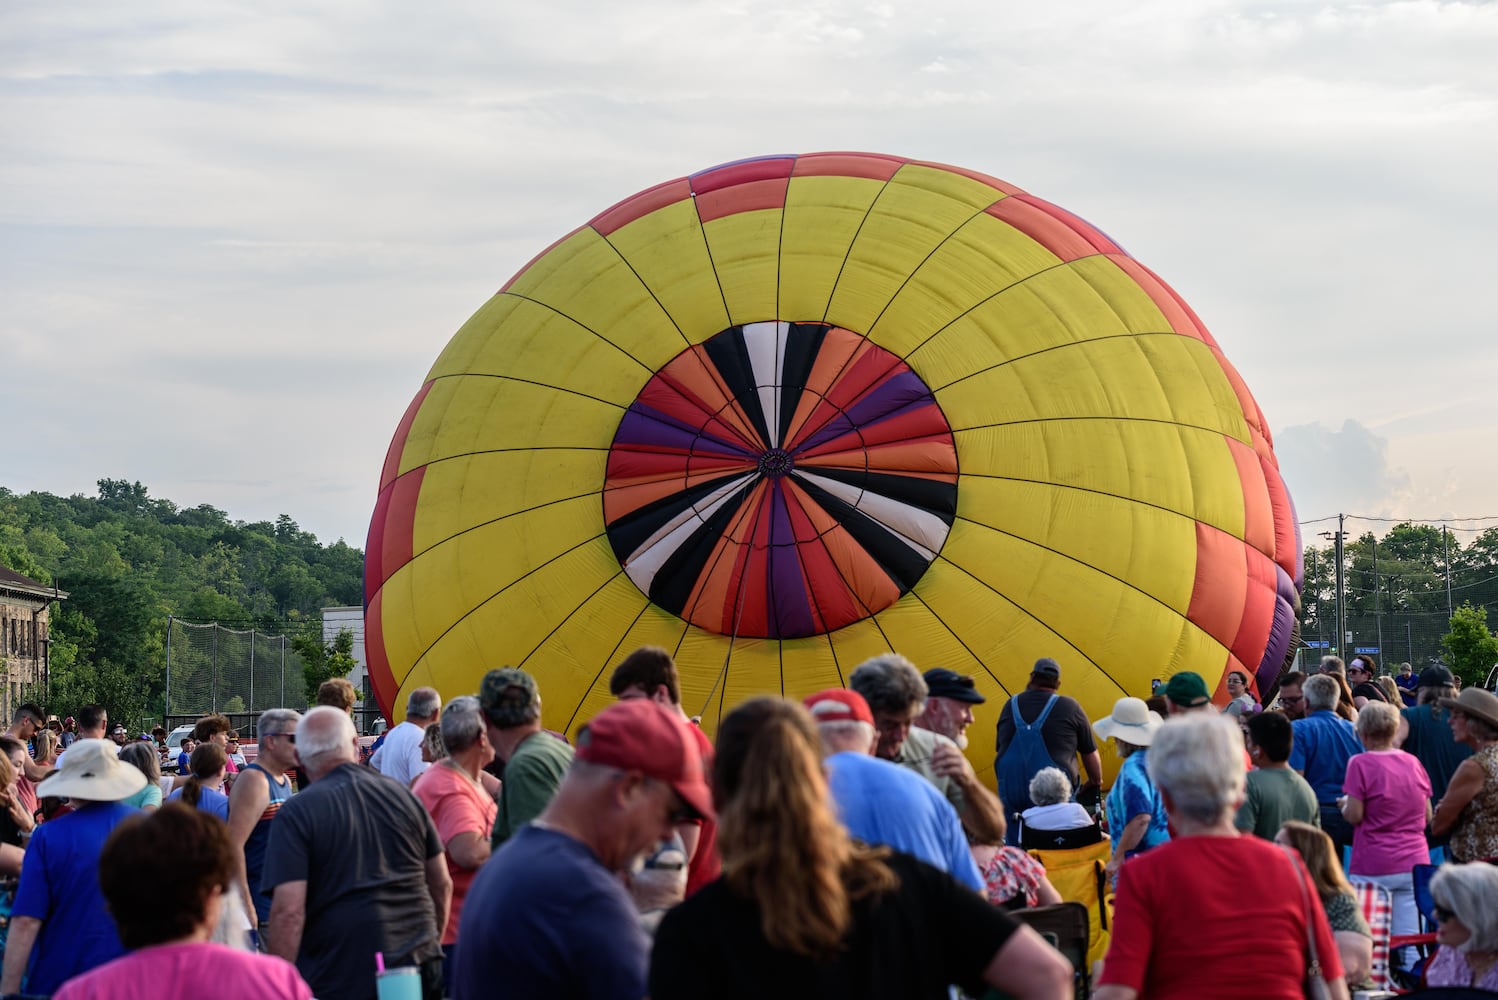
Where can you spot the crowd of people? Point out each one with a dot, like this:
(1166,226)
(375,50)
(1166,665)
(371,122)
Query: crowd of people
(841,845)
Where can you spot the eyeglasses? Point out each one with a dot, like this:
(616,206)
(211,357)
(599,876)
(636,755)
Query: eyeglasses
(1293,700)
(1442,914)
(288,737)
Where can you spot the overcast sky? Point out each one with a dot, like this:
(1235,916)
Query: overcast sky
(235,236)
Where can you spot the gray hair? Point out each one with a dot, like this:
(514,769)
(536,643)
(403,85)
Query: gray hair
(423,703)
(462,723)
(1050,787)
(1377,724)
(1333,665)
(1471,892)
(889,683)
(278,720)
(846,734)
(1322,693)
(1197,759)
(143,756)
(325,734)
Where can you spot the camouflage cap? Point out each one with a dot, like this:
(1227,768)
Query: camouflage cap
(509,697)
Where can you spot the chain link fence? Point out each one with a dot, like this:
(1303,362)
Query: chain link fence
(213,668)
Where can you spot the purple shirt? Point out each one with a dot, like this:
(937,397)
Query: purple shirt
(1394,790)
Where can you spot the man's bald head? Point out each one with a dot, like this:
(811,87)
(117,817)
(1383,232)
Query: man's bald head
(325,738)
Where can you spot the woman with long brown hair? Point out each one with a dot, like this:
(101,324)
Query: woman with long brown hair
(803,910)
(205,784)
(1349,929)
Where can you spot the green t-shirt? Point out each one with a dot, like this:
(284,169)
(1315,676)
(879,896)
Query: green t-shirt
(1274,795)
(531,778)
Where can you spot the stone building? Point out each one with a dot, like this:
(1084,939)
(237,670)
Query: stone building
(25,614)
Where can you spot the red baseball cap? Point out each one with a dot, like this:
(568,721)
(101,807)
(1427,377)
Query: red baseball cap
(838,705)
(639,735)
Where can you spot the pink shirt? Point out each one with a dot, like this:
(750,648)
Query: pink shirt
(1394,789)
(456,805)
(188,971)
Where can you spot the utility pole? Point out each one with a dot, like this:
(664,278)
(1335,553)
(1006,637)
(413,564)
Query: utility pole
(1341,637)
(1446,543)
(1377,603)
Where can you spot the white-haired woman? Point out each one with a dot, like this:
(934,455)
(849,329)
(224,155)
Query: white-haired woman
(1386,798)
(1466,898)
(1179,924)
(1054,809)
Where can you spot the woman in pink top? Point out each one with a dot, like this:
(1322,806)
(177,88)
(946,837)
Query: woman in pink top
(460,797)
(171,957)
(1387,801)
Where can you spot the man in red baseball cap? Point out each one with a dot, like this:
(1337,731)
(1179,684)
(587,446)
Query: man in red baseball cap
(881,802)
(548,912)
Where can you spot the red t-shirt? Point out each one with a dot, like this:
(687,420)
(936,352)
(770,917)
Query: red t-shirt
(704,866)
(1192,916)
(457,806)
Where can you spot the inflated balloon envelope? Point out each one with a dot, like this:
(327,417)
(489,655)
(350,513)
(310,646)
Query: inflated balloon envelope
(792,412)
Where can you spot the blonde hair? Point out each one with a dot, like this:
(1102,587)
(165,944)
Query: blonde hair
(1319,854)
(1377,725)
(781,844)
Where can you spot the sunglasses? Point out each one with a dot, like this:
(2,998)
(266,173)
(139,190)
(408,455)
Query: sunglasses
(1442,914)
(288,737)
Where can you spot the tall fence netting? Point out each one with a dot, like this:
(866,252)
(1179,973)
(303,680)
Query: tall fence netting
(213,668)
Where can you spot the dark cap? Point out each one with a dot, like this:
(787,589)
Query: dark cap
(508,697)
(1046,667)
(1436,677)
(639,735)
(944,683)
(1187,689)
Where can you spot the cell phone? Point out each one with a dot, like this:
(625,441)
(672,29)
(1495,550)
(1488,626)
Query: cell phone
(1155,686)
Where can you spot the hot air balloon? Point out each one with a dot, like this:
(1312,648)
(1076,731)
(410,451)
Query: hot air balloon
(791,412)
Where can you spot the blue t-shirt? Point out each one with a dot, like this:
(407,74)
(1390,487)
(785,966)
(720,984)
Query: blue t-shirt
(210,800)
(884,803)
(1324,743)
(1133,794)
(182,765)
(545,920)
(60,887)
(1431,742)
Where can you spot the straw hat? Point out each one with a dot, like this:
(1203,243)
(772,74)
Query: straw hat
(93,772)
(1131,721)
(1477,703)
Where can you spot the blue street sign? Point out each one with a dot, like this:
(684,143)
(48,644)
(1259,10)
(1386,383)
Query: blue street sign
(1365,649)
(1317,644)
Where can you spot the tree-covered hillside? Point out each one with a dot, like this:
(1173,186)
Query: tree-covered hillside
(128,560)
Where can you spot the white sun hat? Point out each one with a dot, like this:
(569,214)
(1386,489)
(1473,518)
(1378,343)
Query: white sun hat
(1131,721)
(92,772)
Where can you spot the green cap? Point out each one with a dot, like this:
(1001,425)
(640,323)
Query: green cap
(1187,689)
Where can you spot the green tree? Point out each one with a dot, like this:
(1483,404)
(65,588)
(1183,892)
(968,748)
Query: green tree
(322,662)
(1472,648)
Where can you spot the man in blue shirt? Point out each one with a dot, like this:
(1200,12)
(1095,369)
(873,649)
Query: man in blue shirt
(1323,744)
(547,918)
(59,925)
(881,802)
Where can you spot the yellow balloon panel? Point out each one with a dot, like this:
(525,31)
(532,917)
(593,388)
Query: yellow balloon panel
(746,255)
(464,493)
(543,347)
(1152,548)
(668,250)
(978,262)
(463,416)
(822,217)
(1191,472)
(918,210)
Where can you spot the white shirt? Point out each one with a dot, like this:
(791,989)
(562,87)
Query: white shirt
(400,754)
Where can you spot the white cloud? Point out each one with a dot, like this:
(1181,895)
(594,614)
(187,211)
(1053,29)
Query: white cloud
(200,207)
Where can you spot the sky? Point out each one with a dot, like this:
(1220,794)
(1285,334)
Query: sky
(235,236)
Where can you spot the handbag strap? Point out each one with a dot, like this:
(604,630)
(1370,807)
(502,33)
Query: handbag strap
(1301,875)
